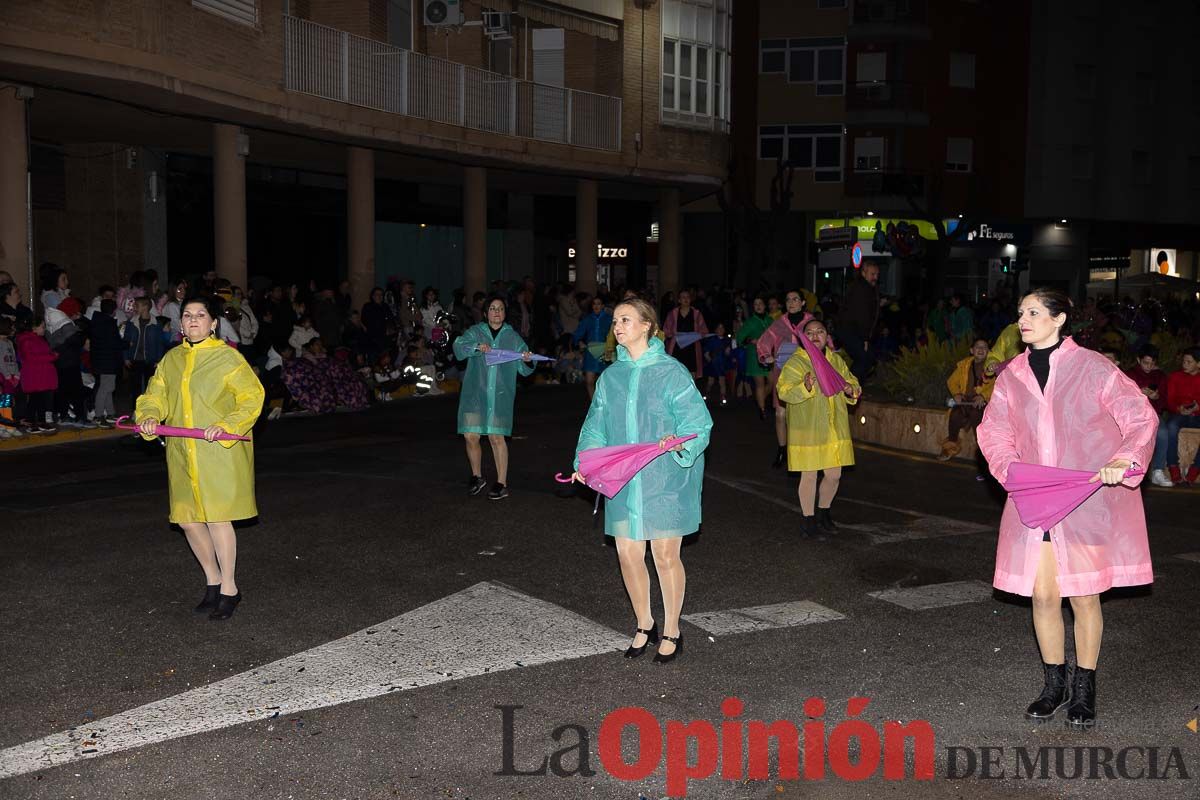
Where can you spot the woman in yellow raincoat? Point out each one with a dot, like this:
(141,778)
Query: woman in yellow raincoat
(205,383)
(818,429)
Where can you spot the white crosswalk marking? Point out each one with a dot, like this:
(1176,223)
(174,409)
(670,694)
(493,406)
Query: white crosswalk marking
(485,628)
(936,595)
(762,618)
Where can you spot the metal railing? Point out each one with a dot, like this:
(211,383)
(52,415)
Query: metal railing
(892,95)
(337,65)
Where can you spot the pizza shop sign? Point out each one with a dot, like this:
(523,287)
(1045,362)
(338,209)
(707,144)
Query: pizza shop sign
(604,253)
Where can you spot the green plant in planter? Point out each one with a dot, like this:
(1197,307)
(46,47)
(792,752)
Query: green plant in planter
(921,372)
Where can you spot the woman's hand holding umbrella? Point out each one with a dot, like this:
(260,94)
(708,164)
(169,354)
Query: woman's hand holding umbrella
(851,391)
(148,426)
(527,356)
(809,379)
(663,442)
(1113,472)
(483,348)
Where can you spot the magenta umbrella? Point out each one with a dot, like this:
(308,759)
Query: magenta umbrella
(608,469)
(186,433)
(1044,496)
(497,356)
(689,338)
(828,378)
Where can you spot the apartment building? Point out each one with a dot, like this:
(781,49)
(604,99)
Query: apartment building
(449,140)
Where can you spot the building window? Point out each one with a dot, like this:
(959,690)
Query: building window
(962,70)
(772,56)
(804,147)
(243,11)
(1081,163)
(695,68)
(818,61)
(868,153)
(958,154)
(1141,168)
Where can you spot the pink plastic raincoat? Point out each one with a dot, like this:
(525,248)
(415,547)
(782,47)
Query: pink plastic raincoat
(1090,414)
(779,333)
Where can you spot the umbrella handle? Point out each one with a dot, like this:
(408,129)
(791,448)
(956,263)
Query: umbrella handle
(124,427)
(1133,473)
(558,476)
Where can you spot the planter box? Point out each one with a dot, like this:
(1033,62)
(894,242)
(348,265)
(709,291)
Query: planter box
(906,427)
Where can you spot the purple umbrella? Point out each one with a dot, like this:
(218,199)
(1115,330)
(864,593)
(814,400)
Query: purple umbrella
(689,338)
(186,433)
(1044,496)
(496,356)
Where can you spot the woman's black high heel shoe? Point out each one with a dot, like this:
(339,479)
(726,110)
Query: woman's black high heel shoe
(651,638)
(225,606)
(210,599)
(659,658)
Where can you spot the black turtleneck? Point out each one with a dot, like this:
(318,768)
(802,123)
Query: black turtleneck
(795,318)
(1039,362)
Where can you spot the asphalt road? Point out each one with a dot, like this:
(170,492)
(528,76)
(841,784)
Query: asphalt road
(365,521)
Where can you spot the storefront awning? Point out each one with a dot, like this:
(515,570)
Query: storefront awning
(599,18)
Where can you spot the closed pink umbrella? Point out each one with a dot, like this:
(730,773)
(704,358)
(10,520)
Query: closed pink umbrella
(1044,496)
(186,433)
(827,377)
(608,469)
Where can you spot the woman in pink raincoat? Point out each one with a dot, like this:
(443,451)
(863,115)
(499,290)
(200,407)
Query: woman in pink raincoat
(786,330)
(1060,405)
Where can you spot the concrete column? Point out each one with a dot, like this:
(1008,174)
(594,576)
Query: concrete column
(360,223)
(229,205)
(668,240)
(14,220)
(586,194)
(474,230)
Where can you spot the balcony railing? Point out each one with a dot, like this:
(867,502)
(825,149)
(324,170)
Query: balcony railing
(337,65)
(889,95)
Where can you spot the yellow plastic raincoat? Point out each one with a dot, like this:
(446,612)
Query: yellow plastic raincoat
(818,434)
(196,386)
(1008,346)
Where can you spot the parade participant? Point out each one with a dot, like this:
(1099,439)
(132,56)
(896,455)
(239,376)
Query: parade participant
(204,383)
(818,429)
(1061,405)
(751,330)
(646,396)
(970,389)
(785,331)
(719,363)
(592,333)
(685,318)
(485,404)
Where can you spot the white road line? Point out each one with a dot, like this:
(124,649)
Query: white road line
(1189,556)
(763,618)
(927,526)
(936,595)
(485,628)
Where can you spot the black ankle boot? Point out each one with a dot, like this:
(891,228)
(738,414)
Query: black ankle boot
(1054,693)
(825,522)
(225,605)
(1082,711)
(780,458)
(210,599)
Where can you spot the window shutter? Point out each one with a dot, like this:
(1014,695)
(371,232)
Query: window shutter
(243,11)
(548,48)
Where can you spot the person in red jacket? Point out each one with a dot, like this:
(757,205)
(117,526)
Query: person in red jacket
(1149,378)
(1183,411)
(39,379)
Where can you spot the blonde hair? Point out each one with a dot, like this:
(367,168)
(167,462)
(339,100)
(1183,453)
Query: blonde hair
(645,312)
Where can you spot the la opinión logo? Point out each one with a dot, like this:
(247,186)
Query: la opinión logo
(734,748)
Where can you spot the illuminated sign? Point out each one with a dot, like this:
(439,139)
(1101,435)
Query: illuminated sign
(603,252)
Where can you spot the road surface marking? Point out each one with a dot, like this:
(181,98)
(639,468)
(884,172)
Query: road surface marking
(1189,556)
(763,618)
(485,628)
(936,595)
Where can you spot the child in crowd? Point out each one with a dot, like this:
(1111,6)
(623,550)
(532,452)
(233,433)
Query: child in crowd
(65,332)
(386,377)
(145,343)
(107,350)
(39,379)
(568,367)
(10,381)
(718,362)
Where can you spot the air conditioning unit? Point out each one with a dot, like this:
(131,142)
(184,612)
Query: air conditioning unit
(442,12)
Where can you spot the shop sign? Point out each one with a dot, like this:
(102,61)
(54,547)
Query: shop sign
(604,253)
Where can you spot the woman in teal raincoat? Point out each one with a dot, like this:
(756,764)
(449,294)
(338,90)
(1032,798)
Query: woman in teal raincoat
(485,405)
(645,396)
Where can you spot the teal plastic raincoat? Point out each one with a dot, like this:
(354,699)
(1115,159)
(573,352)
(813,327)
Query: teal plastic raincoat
(643,401)
(485,405)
